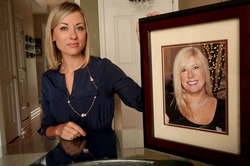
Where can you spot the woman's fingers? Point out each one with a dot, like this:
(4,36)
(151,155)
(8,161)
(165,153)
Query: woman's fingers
(138,31)
(77,128)
(153,14)
(70,131)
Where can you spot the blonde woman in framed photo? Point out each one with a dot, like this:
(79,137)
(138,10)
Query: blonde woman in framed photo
(192,104)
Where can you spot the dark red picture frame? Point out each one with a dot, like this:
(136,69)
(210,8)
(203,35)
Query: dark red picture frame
(217,12)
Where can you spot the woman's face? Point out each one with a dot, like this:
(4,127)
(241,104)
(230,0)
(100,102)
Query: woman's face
(192,77)
(70,34)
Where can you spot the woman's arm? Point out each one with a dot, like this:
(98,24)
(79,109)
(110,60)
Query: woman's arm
(118,82)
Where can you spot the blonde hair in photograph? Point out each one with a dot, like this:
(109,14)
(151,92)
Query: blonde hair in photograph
(57,14)
(182,58)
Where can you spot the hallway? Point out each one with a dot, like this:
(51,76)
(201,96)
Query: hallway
(30,127)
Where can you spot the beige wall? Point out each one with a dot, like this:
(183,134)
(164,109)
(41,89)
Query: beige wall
(38,21)
(186,4)
(90,9)
(24,8)
(52,3)
(43,4)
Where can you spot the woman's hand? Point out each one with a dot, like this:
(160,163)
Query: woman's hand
(137,25)
(69,131)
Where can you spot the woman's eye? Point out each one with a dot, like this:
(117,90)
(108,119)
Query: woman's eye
(63,28)
(183,70)
(196,67)
(80,28)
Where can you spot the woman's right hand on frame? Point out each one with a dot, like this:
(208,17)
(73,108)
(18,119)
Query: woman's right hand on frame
(155,13)
(69,131)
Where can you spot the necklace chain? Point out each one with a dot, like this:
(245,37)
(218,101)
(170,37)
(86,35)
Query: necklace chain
(200,105)
(83,115)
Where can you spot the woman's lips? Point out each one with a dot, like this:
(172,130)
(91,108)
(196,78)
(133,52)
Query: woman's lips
(192,82)
(73,45)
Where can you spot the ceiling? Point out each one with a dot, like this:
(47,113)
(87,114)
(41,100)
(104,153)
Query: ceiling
(37,9)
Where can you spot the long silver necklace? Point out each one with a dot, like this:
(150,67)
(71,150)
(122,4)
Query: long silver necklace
(200,105)
(84,115)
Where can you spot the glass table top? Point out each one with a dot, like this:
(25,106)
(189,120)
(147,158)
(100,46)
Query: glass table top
(97,148)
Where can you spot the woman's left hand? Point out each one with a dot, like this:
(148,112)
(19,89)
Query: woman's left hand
(137,24)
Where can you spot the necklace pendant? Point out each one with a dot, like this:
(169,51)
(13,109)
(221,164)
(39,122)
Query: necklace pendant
(83,115)
(91,79)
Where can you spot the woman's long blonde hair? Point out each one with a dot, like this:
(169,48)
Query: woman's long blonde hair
(182,58)
(58,13)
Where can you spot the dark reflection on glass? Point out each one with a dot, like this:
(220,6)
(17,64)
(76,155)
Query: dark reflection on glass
(95,146)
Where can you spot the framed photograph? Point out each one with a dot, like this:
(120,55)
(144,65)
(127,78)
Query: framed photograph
(28,54)
(38,42)
(38,51)
(32,40)
(195,74)
(27,38)
(215,53)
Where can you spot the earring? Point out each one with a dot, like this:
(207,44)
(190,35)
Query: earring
(53,40)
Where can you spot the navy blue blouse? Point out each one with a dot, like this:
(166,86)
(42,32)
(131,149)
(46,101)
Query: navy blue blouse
(108,78)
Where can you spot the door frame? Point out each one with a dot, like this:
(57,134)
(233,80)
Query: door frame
(45,64)
(2,125)
(18,16)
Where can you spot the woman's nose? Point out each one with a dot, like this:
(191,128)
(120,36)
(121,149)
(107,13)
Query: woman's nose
(190,74)
(72,34)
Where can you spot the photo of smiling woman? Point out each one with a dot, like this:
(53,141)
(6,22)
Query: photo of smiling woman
(192,104)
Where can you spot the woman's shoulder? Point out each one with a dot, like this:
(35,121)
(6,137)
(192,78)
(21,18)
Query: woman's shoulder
(50,73)
(221,106)
(100,61)
(105,66)
(51,77)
